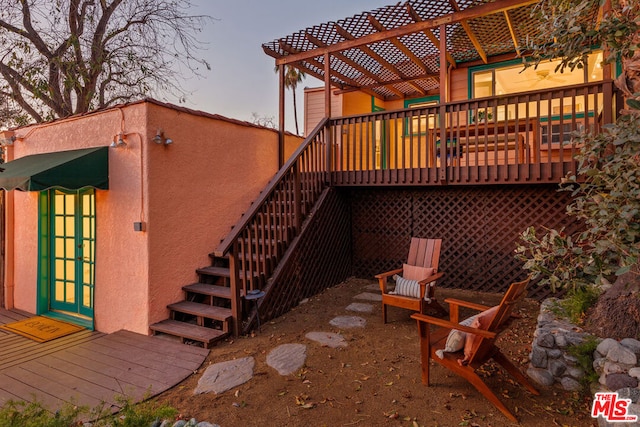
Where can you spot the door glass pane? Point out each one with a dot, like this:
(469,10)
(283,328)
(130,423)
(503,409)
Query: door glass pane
(59,291)
(71,293)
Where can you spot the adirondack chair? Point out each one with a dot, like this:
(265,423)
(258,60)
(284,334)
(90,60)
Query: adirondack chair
(479,344)
(423,254)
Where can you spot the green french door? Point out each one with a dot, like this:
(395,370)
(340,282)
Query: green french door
(70,218)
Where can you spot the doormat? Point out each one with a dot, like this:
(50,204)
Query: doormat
(41,329)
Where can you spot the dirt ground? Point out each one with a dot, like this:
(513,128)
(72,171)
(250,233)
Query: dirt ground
(375,380)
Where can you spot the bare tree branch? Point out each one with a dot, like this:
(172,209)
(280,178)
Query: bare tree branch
(70,56)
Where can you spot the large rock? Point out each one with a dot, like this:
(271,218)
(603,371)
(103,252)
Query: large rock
(287,358)
(223,376)
(538,357)
(615,382)
(622,355)
(328,339)
(606,345)
(540,376)
(348,322)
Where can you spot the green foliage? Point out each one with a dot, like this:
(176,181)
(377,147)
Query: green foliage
(34,414)
(141,414)
(25,414)
(576,303)
(606,193)
(584,356)
(575,31)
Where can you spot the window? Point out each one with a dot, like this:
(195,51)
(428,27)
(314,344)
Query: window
(419,124)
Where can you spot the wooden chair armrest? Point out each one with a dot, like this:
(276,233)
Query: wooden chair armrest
(388,273)
(432,278)
(450,325)
(467,304)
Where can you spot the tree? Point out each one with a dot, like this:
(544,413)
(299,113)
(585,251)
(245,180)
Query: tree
(293,76)
(575,33)
(64,57)
(265,121)
(606,188)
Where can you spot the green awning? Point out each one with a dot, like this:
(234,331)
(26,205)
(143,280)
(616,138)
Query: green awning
(71,170)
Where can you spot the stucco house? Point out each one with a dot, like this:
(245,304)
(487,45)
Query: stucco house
(109,214)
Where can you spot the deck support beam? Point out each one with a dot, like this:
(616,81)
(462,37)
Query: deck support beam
(442,173)
(281,91)
(327,113)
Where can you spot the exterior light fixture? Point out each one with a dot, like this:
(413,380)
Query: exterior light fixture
(7,138)
(161,138)
(119,142)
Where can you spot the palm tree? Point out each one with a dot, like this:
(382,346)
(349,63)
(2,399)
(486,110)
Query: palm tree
(293,76)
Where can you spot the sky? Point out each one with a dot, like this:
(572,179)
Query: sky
(242,80)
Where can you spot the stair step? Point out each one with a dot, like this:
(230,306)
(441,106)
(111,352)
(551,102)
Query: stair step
(217,271)
(209,290)
(184,330)
(201,310)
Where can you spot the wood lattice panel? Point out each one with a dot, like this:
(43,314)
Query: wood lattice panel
(479,227)
(321,258)
(402,42)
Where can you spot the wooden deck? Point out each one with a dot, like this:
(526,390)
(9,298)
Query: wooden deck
(90,368)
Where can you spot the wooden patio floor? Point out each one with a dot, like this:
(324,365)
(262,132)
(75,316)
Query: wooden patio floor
(90,368)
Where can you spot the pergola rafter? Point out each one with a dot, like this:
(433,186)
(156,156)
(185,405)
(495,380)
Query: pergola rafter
(399,51)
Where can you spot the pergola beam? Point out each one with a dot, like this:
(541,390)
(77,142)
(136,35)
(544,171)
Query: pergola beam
(470,33)
(352,63)
(397,43)
(430,35)
(410,81)
(368,51)
(497,6)
(321,66)
(512,31)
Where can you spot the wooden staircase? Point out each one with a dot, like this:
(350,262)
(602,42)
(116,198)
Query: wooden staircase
(204,316)
(245,260)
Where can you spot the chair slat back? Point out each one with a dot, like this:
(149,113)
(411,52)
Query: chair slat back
(424,252)
(510,300)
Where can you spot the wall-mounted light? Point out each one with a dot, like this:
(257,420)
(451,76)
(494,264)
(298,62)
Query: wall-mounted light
(118,141)
(161,138)
(7,138)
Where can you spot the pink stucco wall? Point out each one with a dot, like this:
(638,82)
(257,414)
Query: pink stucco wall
(188,194)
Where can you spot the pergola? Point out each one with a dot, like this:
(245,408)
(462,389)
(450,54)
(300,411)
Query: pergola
(405,50)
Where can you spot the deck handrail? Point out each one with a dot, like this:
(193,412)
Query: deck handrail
(511,138)
(247,217)
(502,97)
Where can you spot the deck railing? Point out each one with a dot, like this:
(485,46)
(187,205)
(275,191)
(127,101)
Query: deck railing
(505,139)
(509,138)
(257,243)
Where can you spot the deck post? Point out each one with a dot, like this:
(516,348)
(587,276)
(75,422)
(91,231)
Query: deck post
(442,170)
(281,78)
(236,300)
(327,113)
(297,197)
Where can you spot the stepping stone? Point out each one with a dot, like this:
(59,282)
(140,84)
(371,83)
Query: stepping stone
(223,376)
(360,307)
(327,339)
(373,287)
(348,322)
(287,358)
(369,296)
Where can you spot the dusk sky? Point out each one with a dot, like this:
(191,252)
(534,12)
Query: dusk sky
(242,79)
